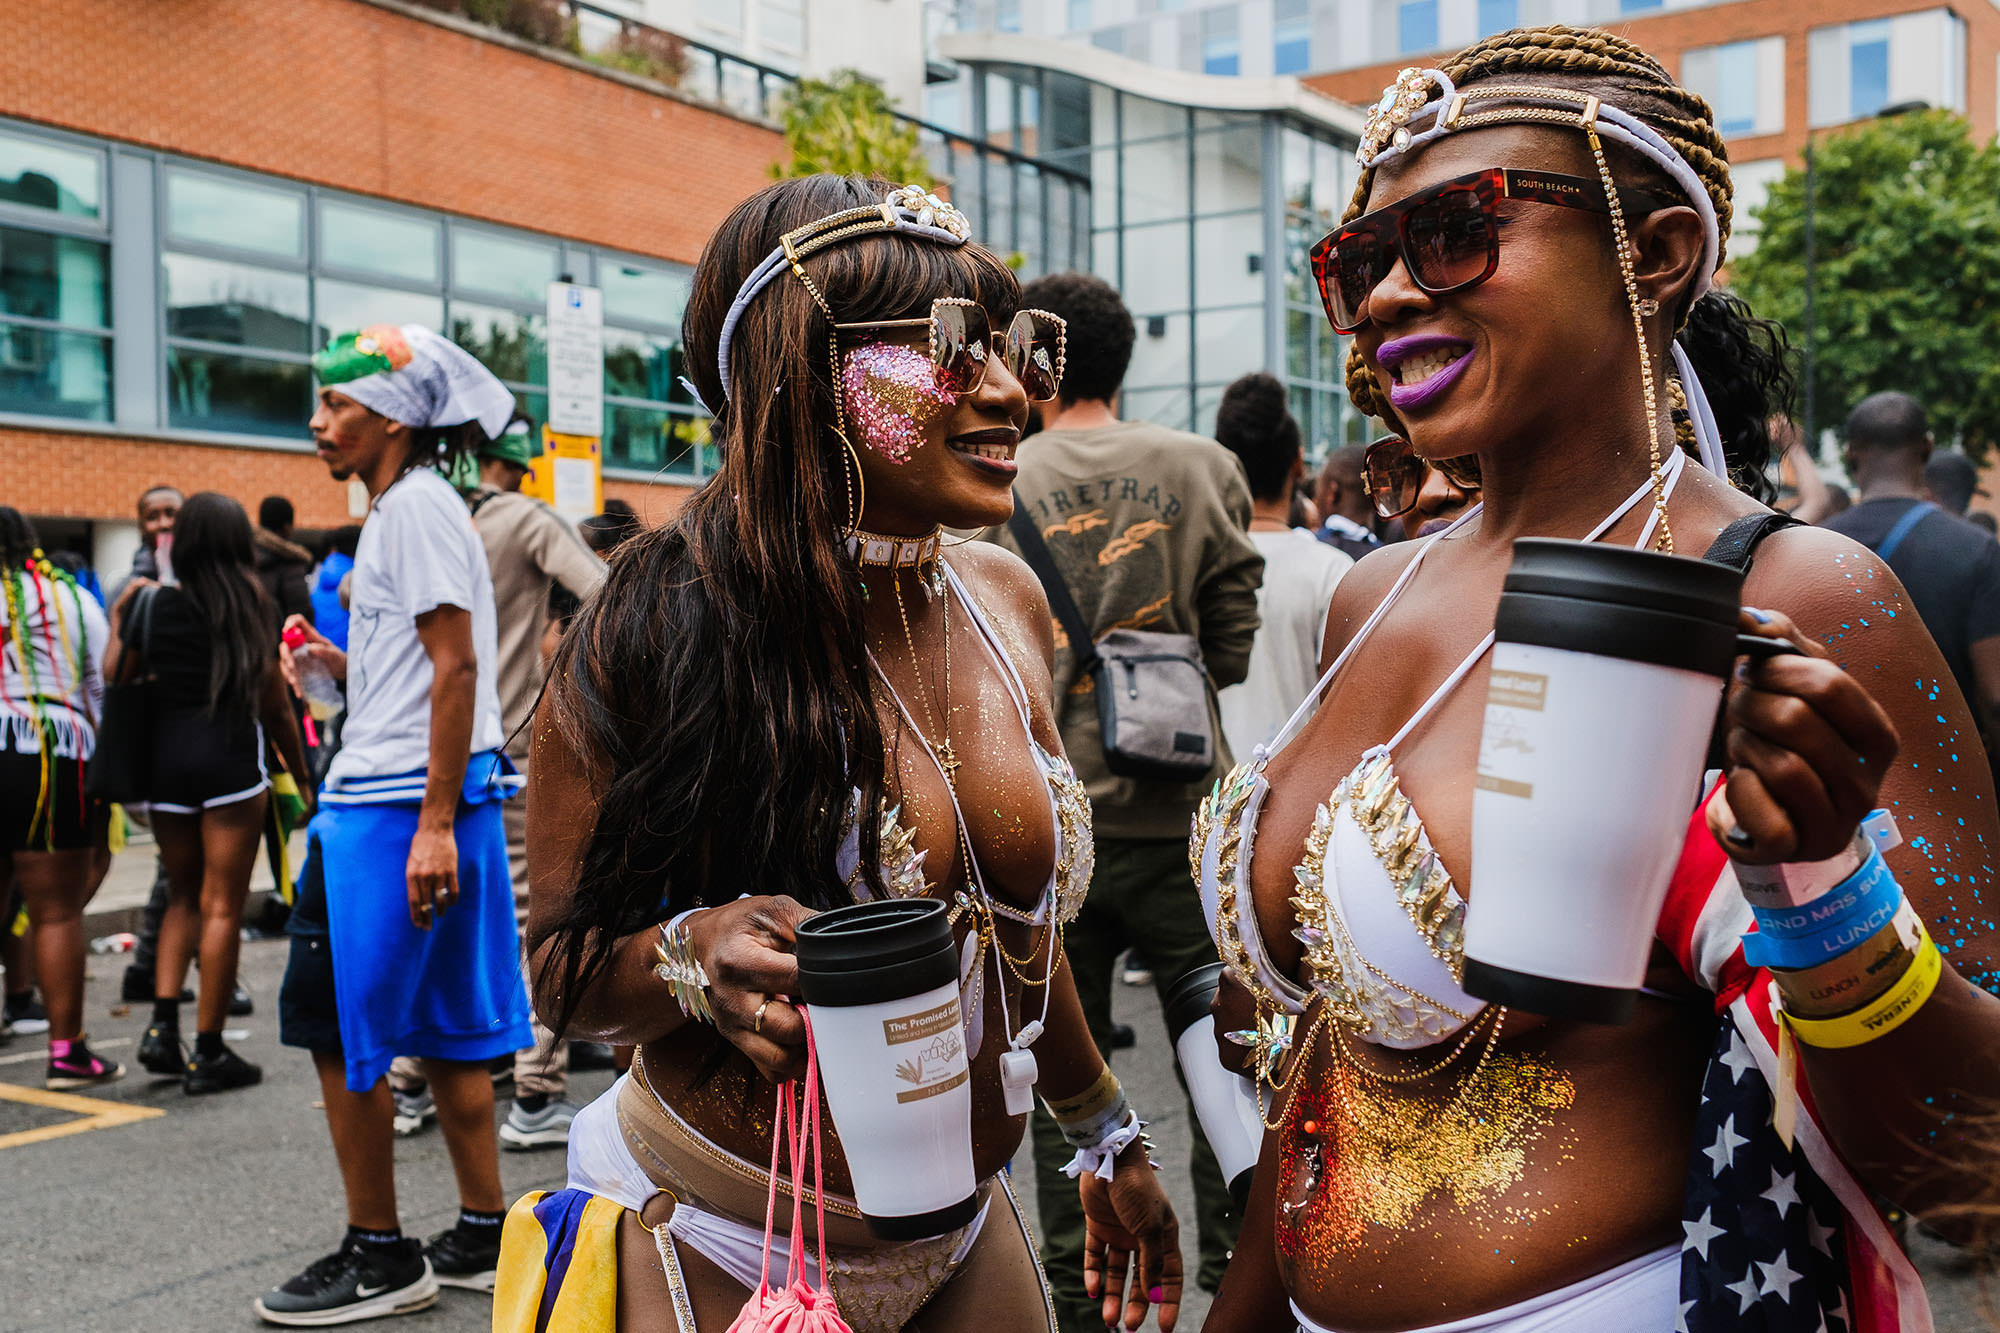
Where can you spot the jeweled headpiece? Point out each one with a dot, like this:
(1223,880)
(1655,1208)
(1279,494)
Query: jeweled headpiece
(909,210)
(1424,104)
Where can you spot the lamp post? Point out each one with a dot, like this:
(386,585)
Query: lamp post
(1812,266)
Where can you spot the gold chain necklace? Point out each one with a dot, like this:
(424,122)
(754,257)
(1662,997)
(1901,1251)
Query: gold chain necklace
(947,758)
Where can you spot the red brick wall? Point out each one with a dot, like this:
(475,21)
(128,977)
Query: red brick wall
(1669,34)
(347,94)
(58,474)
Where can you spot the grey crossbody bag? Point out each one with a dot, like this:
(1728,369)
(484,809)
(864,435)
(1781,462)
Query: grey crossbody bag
(1152,688)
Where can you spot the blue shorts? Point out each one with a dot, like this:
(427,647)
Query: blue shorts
(365,983)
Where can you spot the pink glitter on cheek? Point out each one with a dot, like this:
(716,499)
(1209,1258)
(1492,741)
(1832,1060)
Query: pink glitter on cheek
(892,394)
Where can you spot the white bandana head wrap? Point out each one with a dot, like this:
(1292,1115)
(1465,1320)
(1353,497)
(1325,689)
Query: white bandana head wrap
(416,377)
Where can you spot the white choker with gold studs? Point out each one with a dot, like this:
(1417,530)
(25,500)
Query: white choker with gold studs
(919,554)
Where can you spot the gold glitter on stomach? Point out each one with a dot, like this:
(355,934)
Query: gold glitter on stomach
(1382,1158)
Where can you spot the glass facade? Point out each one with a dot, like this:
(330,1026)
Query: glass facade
(251,273)
(1202,219)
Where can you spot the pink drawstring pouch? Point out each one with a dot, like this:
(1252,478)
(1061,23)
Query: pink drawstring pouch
(797,1307)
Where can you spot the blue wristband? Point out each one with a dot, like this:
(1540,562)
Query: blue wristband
(1841,919)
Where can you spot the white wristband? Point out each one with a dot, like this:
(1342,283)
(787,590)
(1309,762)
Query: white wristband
(1101,1158)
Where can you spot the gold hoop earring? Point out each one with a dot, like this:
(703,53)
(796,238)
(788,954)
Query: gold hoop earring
(854,480)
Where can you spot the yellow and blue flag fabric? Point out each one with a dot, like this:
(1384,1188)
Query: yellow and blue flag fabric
(558,1264)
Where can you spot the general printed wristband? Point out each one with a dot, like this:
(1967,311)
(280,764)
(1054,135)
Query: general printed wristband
(1838,921)
(1881,1017)
(1857,978)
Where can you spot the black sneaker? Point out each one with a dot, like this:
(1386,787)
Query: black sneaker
(161,1052)
(353,1283)
(220,1073)
(81,1068)
(26,1015)
(460,1261)
(240,1003)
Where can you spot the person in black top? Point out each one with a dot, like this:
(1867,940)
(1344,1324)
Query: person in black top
(283,567)
(1950,568)
(209,644)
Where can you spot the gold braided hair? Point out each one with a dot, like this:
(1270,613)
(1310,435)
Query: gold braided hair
(1625,76)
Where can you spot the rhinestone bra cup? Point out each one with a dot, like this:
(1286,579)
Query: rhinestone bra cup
(1410,1005)
(902,864)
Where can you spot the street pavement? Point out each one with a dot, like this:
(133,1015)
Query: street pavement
(179,1211)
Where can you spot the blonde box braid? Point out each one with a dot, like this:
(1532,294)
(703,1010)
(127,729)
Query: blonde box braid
(1593,60)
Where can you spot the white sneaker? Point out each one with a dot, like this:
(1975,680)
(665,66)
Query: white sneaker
(414,1110)
(547,1128)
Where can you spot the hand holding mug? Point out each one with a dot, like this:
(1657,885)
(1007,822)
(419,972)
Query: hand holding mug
(747,949)
(1808,748)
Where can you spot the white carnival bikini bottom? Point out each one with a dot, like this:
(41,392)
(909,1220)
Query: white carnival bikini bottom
(601,1161)
(1639,1296)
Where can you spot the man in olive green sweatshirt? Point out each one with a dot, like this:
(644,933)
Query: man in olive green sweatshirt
(1147,527)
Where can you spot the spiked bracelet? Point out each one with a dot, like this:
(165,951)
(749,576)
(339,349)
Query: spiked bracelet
(686,979)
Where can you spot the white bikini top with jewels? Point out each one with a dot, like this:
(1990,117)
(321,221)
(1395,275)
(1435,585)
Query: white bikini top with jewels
(902,865)
(1381,921)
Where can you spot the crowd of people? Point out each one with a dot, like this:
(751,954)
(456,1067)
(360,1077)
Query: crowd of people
(946,625)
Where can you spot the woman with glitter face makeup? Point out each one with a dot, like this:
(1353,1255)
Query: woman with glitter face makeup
(1535,224)
(793,696)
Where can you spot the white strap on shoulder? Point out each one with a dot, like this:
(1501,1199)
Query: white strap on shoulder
(1311,701)
(1671,474)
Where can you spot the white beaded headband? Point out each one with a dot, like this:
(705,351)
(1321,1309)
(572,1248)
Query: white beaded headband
(909,210)
(1409,116)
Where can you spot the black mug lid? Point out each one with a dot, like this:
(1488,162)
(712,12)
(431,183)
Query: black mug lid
(871,936)
(1621,576)
(1189,999)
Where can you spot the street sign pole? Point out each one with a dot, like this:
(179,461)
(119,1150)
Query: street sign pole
(572,436)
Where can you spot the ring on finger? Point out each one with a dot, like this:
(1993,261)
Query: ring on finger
(757,1022)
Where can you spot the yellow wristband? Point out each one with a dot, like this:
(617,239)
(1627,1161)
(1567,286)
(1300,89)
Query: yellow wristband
(1093,1101)
(1884,1015)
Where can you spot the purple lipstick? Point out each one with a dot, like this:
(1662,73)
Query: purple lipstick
(1422,366)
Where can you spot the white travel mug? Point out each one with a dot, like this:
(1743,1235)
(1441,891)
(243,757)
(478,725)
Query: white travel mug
(1224,1103)
(880,980)
(1607,679)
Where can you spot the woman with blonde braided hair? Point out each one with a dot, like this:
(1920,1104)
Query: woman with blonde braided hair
(52,638)
(1535,224)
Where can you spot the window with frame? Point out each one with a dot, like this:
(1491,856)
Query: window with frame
(55,294)
(1498,16)
(1867,68)
(1291,37)
(1416,26)
(1221,48)
(235,283)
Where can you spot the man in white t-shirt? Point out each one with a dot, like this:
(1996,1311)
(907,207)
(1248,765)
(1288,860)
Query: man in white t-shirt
(403,935)
(1300,571)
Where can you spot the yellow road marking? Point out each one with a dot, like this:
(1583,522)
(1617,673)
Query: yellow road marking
(94,1113)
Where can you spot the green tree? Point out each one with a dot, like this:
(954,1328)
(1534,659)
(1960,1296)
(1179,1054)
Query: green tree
(1907,288)
(845,125)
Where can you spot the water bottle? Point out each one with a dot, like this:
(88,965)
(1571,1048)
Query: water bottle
(316,684)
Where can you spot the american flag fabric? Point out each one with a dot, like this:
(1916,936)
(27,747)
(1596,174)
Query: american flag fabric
(1775,1239)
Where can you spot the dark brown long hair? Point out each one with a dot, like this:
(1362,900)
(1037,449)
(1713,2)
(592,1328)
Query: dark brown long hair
(215,561)
(718,683)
